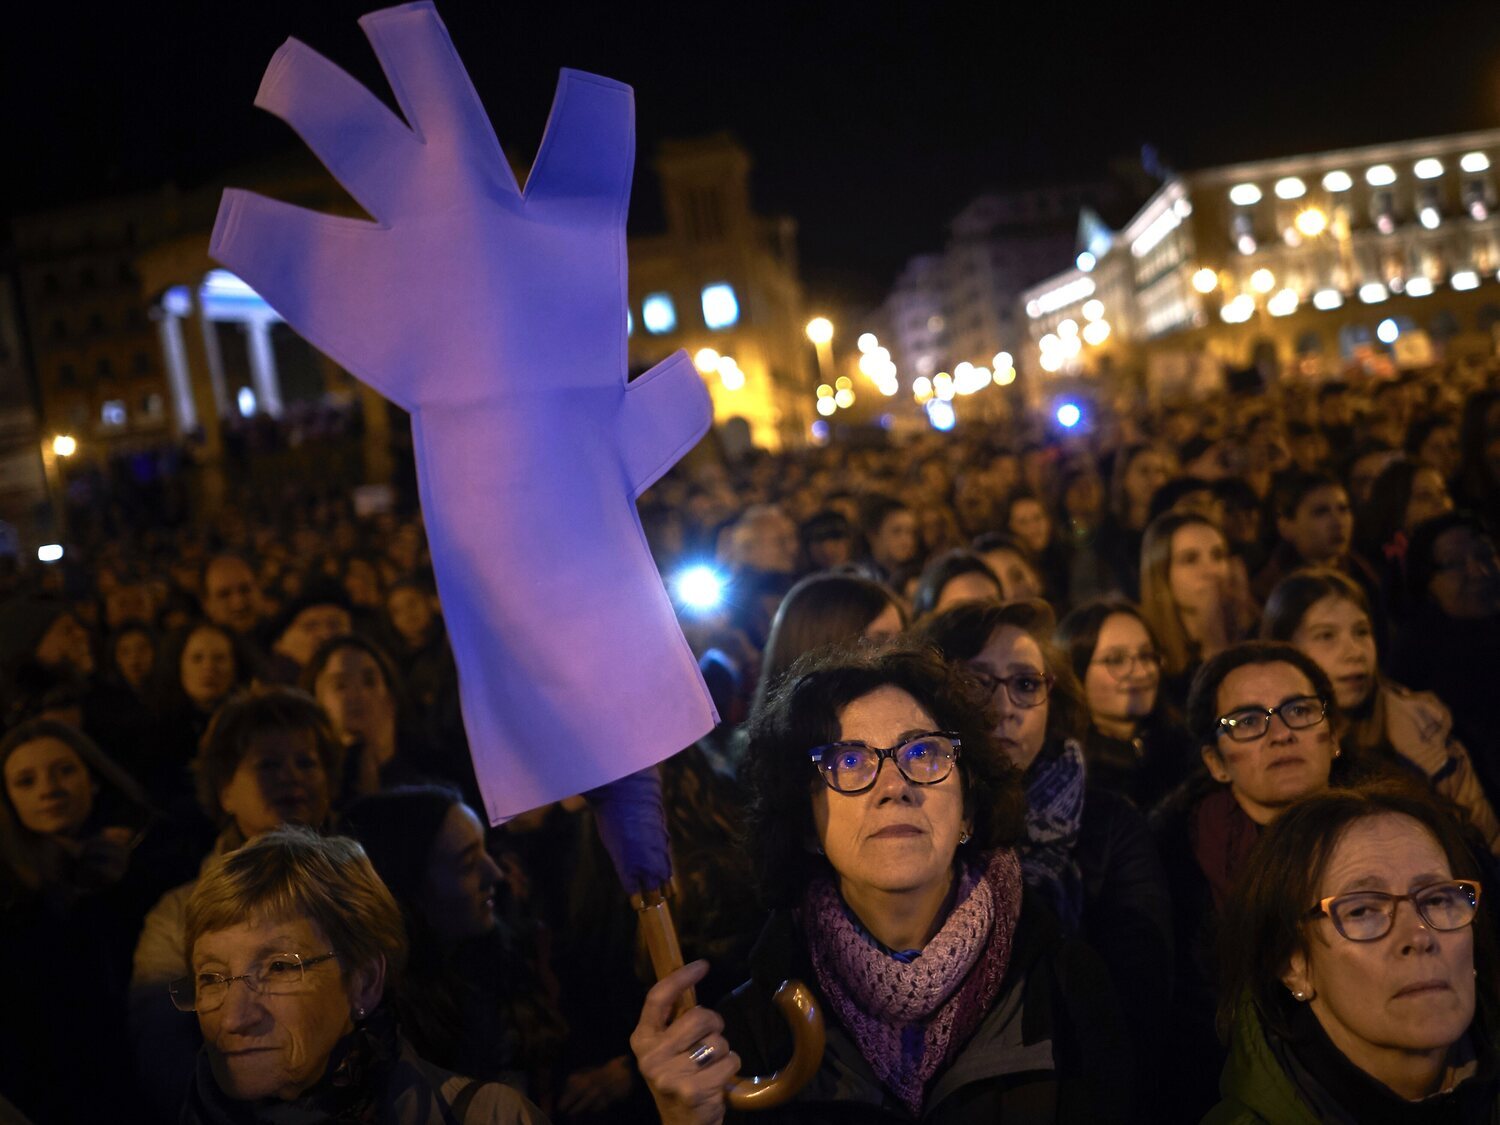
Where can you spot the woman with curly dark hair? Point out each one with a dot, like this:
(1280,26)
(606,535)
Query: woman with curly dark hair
(900,900)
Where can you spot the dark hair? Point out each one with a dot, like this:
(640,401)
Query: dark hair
(1298,592)
(1421,561)
(1422,429)
(1236,494)
(961,631)
(397,828)
(1265,919)
(943,570)
(1078,632)
(875,508)
(822,609)
(804,713)
(1167,497)
(166,675)
(1203,696)
(1294,487)
(1384,513)
(251,713)
(1473,467)
(334,645)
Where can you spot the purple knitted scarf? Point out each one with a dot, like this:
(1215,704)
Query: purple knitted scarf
(910,1018)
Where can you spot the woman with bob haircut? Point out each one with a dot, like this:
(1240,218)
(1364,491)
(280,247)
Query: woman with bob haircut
(1326,615)
(1134,744)
(948,990)
(315,938)
(1192,595)
(1359,969)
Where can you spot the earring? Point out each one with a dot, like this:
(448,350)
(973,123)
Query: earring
(359,1013)
(963,839)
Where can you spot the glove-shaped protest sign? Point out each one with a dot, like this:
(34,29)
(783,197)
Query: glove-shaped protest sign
(496,317)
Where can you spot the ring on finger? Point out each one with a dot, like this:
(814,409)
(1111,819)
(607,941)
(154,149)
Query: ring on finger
(702,1054)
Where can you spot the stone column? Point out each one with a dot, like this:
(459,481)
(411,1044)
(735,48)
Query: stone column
(174,353)
(263,365)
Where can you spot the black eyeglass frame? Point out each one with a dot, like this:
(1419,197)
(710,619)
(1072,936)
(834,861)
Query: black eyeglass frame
(818,755)
(1226,724)
(992,681)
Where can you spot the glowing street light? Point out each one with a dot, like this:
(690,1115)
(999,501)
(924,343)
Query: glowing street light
(706,360)
(1205,280)
(820,330)
(64,445)
(1311,222)
(866,343)
(1262,280)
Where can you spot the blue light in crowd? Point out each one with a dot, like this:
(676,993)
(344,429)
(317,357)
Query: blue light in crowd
(177,301)
(658,314)
(245,400)
(820,430)
(699,588)
(1068,415)
(629,323)
(941,415)
(887,421)
(720,307)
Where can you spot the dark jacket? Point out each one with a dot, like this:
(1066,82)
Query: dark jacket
(1052,1048)
(1268,1082)
(1145,768)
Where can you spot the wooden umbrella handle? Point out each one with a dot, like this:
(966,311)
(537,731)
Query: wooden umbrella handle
(794,1000)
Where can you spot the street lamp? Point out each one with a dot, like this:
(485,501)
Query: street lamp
(820,332)
(64,445)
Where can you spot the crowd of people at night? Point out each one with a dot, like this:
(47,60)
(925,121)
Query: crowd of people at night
(1190,812)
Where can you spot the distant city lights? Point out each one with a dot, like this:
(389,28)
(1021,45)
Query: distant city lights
(1205,280)
(1326,299)
(1373,292)
(1387,331)
(1311,222)
(1244,195)
(1290,187)
(706,360)
(1283,303)
(49,552)
(721,309)
(820,330)
(1464,279)
(658,314)
(1262,280)
(64,445)
(941,414)
(1419,287)
(1068,415)
(866,343)
(1429,168)
(1380,175)
(1474,162)
(1086,261)
(1337,181)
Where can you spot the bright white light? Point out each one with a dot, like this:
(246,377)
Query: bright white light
(1061,297)
(1096,332)
(1049,343)
(941,415)
(962,370)
(177,301)
(1430,218)
(706,360)
(1326,299)
(1244,195)
(1051,361)
(1380,175)
(1262,280)
(49,552)
(945,390)
(721,308)
(1337,181)
(1474,162)
(844,399)
(1372,293)
(1156,230)
(730,374)
(1002,360)
(1005,376)
(1239,310)
(1068,415)
(1464,279)
(1283,303)
(827,406)
(866,343)
(1290,187)
(658,314)
(1068,327)
(1419,287)
(1246,244)
(64,445)
(699,588)
(1086,261)
(888,387)
(1387,331)
(1429,168)
(1093,310)
(1071,347)
(820,330)
(1205,280)
(1311,222)
(922,387)
(245,400)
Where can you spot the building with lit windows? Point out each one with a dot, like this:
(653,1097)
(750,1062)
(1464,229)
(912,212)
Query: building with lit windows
(1299,265)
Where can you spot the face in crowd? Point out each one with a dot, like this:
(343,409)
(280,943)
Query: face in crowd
(207,668)
(1322,527)
(1466,574)
(50,788)
(1337,634)
(1012,662)
(895,543)
(230,598)
(353,690)
(310,628)
(458,892)
(280,780)
(1123,673)
(1286,761)
(1198,569)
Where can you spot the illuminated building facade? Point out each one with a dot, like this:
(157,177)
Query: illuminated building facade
(1299,265)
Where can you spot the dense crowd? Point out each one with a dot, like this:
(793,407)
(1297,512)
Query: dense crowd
(1190,803)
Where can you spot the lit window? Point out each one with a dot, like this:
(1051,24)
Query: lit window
(1428,169)
(1244,195)
(113,412)
(245,400)
(1474,162)
(1372,293)
(1291,187)
(1464,279)
(1328,299)
(1380,175)
(720,308)
(1337,181)
(658,314)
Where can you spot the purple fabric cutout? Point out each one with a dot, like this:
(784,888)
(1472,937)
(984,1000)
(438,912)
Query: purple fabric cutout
(496,317)
(911,1018)
(633,825)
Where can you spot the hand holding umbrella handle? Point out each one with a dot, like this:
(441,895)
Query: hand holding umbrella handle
(793,999)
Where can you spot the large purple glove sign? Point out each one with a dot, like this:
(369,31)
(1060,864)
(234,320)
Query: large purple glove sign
(496,317)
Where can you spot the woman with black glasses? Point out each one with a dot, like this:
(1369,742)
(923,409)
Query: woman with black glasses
(882,822)
(1086,848)
(1359,970)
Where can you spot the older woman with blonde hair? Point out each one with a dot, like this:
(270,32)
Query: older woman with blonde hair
(304,924)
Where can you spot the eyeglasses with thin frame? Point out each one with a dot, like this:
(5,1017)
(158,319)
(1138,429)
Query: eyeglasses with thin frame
(1369,915)
(1121,665)
(277,975)
(1026,689)
(1250,723)
(853,766)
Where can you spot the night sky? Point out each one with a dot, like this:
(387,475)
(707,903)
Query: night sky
(871,124)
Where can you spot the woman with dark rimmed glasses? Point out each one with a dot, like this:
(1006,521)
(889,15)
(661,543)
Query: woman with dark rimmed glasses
(1359,968)
(882,820)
